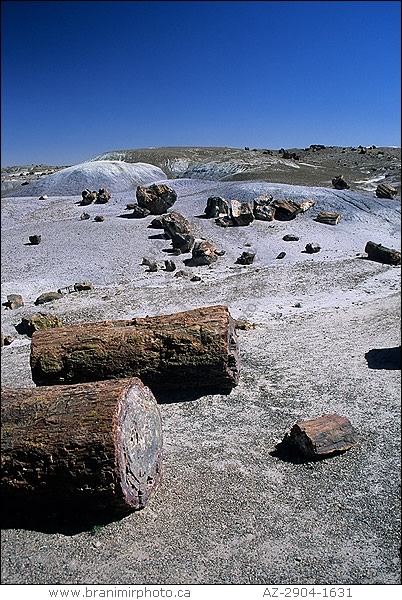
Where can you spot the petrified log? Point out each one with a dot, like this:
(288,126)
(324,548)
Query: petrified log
(95,446)
(315,438)
(384,190)
(382,254)
(339,183)
(285,210)
(193,349)
(330,218)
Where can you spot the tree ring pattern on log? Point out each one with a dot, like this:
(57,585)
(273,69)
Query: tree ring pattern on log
(138,444)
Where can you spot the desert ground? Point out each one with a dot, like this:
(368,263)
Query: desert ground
(325,339)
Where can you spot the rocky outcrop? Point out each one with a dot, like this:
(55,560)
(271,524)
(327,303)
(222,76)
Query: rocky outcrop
(156,198)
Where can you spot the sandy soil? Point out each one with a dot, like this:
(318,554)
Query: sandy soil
(228,510)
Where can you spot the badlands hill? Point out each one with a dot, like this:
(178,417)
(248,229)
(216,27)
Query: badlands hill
(114,175)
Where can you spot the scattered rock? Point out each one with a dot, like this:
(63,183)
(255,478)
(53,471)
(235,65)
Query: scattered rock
(195,278)
(14,301)
(156,198)
(38,322)
(289,155)
(330,218)
(216,207)
(85,216)
(339,183)
(241,213)
(297,305)
(103,196)
(87,197)
(382,254)
(312,248)
(6,340)
(306,205)
(263,209)
(153,267)
(82,286)
(246,258)
(170,265)
(35,239)
(203,253)
(99,218)
(386,191)
(290,237)
(174,223)
(281,255)
(285,210)
(44,197)
(224,222)
(183,242)
(48,297)
(182,273)
(316,147)
(156,223)
(244,325)
(222,252)
(131,205)
(139,212)
(321,437)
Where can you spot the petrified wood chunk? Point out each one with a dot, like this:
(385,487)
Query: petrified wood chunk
(96,446)
(216,207)
(156,198)
(203,253)
(380,253)
(246,258)
(37,322)
(312,248)
(87,197)
(384,190)
(339,183)
(285,210)
(330,218)
(306,205)
(35,239)
(320,437)
(174,223)
(48,297)
(103,196)
(193,349)
(14,301)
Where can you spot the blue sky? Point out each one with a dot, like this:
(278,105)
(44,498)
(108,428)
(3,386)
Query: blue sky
(80,78)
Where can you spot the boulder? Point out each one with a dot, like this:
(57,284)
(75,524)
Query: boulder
(263,209)
(241,213)
(39,322)
(85,216)
(290,237)
(174,223)
(156,198)
(14,301)
(339,183)
(48,297)
(285,210)
(88,197)
(203,253)
(183,242)
(386,191)
(216,207)
(103,196)
(99,218)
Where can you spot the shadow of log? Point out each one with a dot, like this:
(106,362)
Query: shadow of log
(56,516)
(384,358)
(180,395)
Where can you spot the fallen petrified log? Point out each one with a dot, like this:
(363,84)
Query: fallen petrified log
(317,438)
(382,254)
(330,218)
(384,190)
(193,349)
(95,446)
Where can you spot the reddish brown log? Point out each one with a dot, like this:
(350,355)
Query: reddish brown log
(94,447)
(321,437)
(382,254)
(187,350)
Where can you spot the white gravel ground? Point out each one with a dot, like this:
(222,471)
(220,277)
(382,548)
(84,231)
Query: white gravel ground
(228,511)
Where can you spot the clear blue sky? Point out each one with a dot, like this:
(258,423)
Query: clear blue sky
(80,78)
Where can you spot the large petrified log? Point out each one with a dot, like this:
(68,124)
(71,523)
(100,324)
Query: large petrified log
(382,254)
(95,446)
(193,349)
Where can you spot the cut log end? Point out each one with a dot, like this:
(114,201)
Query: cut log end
(138,443)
